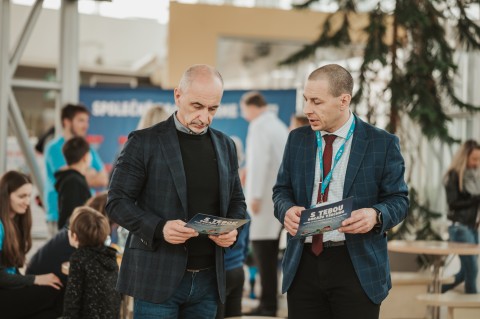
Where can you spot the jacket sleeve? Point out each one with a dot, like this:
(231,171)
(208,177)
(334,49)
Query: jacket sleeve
(393,191)
(454,200)
(237,207)
(283,195)
(126,183)
(14,280)
(75,289)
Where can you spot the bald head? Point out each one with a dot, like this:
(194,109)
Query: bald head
(339,80)
(198,71)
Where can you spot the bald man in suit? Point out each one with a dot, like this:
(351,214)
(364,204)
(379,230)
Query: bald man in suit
(344,273)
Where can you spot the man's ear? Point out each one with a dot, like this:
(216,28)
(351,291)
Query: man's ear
(345,100)
(177,92)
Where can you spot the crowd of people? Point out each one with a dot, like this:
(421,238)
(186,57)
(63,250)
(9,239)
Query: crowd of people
(174,166)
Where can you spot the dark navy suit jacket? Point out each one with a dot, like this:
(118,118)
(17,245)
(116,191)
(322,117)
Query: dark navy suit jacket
(374,177)
(148,186)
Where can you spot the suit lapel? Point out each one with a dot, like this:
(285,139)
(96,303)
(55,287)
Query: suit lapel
(357,152)
(171,150)
(222,164)
(310,146)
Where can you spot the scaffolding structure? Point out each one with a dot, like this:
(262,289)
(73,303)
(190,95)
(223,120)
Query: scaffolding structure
(66,86)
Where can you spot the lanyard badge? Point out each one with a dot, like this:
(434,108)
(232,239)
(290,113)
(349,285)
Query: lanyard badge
(325,181)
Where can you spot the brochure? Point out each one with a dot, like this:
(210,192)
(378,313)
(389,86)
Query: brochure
(324,218)
(214,225)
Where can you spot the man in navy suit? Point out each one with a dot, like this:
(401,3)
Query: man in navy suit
(164,176)
(346,273)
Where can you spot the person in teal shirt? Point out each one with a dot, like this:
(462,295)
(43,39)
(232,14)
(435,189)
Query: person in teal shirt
(75,123)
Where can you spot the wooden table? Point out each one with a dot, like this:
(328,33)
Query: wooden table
(437,252)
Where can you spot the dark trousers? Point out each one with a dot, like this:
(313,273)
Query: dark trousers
(32,302)
(233,293)
(327,286)
(265,253)
(196,297)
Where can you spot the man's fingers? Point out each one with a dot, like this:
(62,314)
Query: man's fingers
(222,242)
(182,229)
(357,227)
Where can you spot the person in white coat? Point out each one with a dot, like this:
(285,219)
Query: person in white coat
(266,139)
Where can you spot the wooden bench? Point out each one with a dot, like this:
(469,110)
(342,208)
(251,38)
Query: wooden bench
(401,302)
(460,306)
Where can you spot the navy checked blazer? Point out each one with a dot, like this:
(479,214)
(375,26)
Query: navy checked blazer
(374,177)
(148,186)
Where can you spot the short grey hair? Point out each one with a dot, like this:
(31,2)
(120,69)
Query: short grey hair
(195,70)
(340,81)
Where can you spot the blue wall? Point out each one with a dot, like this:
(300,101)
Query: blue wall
(115,113)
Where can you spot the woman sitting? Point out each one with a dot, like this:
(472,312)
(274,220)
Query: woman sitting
(30,296)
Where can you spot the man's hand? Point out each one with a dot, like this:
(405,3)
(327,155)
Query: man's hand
(255,205)
(175,232)
(292,219)
(225,240)
(361,221)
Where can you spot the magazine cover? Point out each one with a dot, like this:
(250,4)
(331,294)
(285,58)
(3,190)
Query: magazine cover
(214,225)
(324,218)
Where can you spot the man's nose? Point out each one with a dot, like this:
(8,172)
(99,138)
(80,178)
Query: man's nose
(204,115)
(307,109)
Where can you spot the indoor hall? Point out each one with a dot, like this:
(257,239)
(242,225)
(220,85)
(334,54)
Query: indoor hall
(414,69)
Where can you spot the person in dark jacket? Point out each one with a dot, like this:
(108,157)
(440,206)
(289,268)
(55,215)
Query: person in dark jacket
(30,296)
(50,257)
(462,185)
(235,276)
(71,184)
(93,271)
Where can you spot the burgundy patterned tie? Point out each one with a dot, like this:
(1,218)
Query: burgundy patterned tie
(317,240)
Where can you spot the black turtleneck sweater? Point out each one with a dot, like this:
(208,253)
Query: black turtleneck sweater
(203,192)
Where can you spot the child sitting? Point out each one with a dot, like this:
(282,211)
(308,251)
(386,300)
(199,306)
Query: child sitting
(93,269)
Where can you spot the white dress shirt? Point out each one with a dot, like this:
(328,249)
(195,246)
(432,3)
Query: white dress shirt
(335,192)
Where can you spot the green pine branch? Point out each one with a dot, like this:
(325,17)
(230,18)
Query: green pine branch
(421,61)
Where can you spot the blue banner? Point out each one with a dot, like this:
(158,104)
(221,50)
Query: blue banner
(115,112)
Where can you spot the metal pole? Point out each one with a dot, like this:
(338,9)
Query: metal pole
(26,33)
(36,84)
(24,141)
(4,80)
(68,69)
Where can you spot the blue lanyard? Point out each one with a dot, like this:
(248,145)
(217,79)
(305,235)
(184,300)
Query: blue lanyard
(326,181)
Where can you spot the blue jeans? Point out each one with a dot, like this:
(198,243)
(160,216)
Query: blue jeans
(468,264)
(195,297)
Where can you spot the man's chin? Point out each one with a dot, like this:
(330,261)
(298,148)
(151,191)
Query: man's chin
(197,129)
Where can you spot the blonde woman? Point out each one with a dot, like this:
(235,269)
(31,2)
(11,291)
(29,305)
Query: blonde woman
(152,116)
(462,185)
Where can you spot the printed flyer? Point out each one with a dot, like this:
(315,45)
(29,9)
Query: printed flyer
(324,218)
(214,225)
